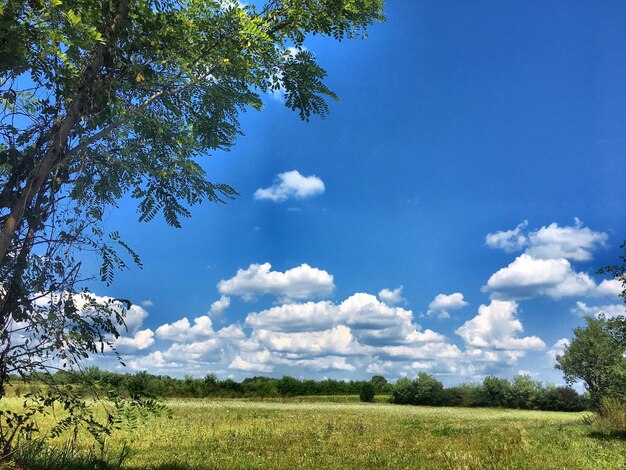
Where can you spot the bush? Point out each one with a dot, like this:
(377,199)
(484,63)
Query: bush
(367,393)
(612,415)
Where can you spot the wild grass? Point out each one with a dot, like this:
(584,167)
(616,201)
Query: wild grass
(233,434)
(612,416)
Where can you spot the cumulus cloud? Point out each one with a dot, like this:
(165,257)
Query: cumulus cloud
(261,365)
(496,327)
(442,304)
(208,350)
(291,184)
(302,282)
(266,361)
(183,331)
(610,310)
(609,287)
(141,340)
(337,340)
(508,240)
(550,242)
(558,348)
(392,297)
(151,361)
(371,321)
(219,307)
(530,277)
(575,243)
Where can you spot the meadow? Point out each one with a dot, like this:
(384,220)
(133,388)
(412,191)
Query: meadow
(325,434)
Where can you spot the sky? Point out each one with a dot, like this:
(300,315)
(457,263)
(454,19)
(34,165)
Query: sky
(448,216)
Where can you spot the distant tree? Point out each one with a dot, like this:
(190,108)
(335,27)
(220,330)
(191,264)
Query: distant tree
(569,399)
(424,390)
(427,390)
(494,392)
(523,392)
(402,392)
(380,384)
(367,392)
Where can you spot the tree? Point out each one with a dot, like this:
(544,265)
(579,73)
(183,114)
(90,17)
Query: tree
(524,392)
(596,357)
(380,384)
(427,390)
(106,98)
(494,391)
(597,353)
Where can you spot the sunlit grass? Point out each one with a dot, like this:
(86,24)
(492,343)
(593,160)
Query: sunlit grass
(205,434)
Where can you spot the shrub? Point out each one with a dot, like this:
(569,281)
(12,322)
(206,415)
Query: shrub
(612,415)
(367,393)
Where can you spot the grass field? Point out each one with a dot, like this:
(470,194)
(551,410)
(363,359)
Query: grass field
(323,435)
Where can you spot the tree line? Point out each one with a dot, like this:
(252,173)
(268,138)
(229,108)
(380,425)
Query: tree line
(522,392)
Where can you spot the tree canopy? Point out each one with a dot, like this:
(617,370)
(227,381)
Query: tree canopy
(103,98)
(597,354)
(106,98)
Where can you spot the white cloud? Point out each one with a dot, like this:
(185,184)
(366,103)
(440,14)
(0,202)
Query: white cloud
(530,277)
(552,242)
(370,320)
(610,287)
(337,340)
(183,331)
(495,326)
(310,316)
(392,297)
(135,316)
(141,340)
(147,303)
(435,351)
(151,361)
(611,310)
(239,363)
(219,307)
(302,282)
(442,304)
(209,350)
(508,240)
(575,243)
(558,348)
(291,184)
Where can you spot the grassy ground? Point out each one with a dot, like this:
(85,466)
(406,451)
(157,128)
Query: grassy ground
(327,435)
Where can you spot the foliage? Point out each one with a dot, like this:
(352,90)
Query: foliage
(596,357)
(109,98)
(380,384)
(493,392)
(367,393)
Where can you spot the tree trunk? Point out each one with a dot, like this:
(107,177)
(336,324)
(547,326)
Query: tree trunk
(59,135)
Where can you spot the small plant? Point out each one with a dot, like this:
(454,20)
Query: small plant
(367,393)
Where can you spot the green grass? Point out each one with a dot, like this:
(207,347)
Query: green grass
(325,435)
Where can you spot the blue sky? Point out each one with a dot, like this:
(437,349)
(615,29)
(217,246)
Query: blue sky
(457,120)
